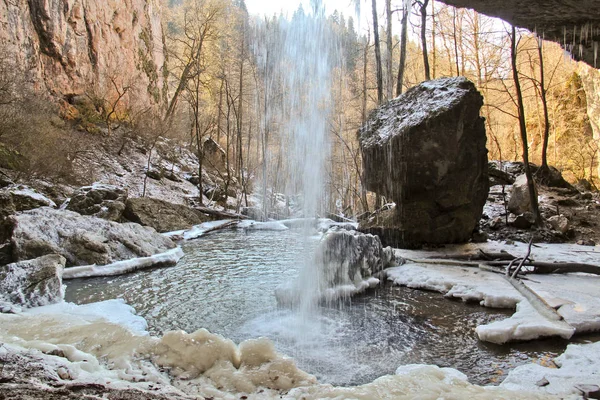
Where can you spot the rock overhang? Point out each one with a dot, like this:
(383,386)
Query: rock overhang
(574,24)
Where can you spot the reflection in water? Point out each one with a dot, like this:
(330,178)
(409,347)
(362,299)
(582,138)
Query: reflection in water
(226,283)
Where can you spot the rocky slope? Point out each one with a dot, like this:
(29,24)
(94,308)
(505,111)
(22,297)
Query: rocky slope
(63,45)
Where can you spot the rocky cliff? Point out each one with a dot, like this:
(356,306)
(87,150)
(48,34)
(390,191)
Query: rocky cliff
(65,46)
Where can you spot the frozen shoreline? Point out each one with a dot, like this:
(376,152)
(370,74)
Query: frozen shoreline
(106,344)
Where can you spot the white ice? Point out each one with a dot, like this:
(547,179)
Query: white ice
(170,257)
(575,296)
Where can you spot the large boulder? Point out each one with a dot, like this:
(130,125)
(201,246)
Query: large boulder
(162,215)
(345,263)
(99,200)
(426,150)
(81,240)
(15,198)
(33,283)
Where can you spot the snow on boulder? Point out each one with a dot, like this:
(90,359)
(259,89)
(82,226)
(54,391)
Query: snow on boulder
(99,200)
(426,151)
(344,264)
(34,282)
(20,198)
(82,240)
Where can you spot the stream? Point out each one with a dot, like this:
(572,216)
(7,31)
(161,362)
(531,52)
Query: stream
(226,283)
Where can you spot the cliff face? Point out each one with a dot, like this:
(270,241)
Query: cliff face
(64,46)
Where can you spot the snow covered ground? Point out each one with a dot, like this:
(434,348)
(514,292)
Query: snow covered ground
(575,296)
(106,344)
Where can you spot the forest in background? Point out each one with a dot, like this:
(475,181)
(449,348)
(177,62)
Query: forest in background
(221,83)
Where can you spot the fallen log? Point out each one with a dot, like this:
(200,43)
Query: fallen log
(225,225)
(220,214)
(480,256)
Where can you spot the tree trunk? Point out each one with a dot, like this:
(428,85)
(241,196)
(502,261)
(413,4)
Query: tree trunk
(544,166)
(377,53)
(424,39)
(389,45)
(433,53)
(403,40)
(455,40)
(523,128)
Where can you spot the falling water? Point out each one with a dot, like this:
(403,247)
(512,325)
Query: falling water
(297,68)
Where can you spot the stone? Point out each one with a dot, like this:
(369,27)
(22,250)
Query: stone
(99,200)
(33,283)
(154,174)
(215,158)
(162,215)
(81,239)
(479,237)
(21,198)
(523,221)
(426,151)
(62,44)
(586,242)
(496,223)
(583,185)
(559,223)
(519,200)
(498,176)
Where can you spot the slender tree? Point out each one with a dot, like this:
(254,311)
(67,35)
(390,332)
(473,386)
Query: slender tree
(546,134)
(423,4)
(389,46)
(377,53)
(523,128)
(403,41)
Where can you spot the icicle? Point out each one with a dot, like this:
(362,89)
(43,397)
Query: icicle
(595,54)
(574,36)
(565,36)
(580,51)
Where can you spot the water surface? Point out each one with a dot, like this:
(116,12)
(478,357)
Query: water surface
(226,283)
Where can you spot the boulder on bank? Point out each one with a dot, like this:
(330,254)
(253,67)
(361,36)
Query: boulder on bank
(99,200)
(15,198)
(426,151)
(519,201)
(162,215)
(81,240)
(33,283)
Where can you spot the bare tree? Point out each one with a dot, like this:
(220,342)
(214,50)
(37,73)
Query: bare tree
(403,41)
(523,128)
(377,53)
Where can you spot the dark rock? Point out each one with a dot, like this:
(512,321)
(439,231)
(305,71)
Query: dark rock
(154,174)
(479,237)
(82,240)
(586,196)
(215,158)
(161,215)
(99,200)
(498,176)
(171,176)
(426,151)
(193,179)
(496,223)
(523,221)
(33,283)
(586,242)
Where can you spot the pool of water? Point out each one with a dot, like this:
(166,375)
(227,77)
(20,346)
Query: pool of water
(226,283)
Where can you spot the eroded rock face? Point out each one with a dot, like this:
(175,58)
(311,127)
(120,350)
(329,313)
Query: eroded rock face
(426,150)
(162,215)
(99,200)
(33,283)
(81,240)
(63,45)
